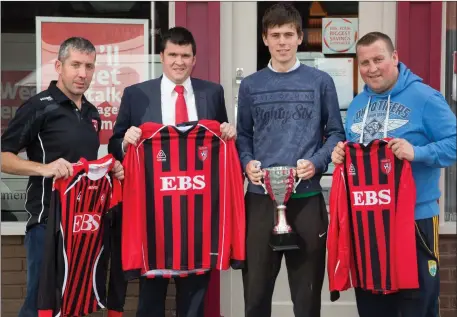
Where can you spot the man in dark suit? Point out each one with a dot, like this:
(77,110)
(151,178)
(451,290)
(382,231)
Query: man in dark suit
(173,98)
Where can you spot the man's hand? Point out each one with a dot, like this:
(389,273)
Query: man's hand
(132,136)
(118,170)
(305,169)
(228,131)
(338,153)
(402,149)
(254,173)
(60,168)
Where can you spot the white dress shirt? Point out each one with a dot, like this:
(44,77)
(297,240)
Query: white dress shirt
(168,100)
(296,65)
(168,97)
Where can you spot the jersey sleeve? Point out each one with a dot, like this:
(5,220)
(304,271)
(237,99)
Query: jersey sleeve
(47,286)
(238,221)
(406,254)
(338,244)
(133,213)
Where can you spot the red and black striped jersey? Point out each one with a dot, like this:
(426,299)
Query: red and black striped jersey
(74,269)
(372,242)
(184,191)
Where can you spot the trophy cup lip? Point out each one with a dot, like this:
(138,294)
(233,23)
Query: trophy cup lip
(284,167)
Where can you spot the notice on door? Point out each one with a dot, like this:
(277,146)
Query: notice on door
(339,35)
(342,72)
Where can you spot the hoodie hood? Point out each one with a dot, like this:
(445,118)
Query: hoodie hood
(405,78)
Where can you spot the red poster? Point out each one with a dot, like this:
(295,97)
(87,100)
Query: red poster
(122,59)
(14,94)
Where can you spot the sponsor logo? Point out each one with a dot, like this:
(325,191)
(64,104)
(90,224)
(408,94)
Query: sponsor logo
(371,197)
(86,223)
(182,182)
(352,170)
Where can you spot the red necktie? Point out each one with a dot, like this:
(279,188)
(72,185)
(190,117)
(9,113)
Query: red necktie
(181,108)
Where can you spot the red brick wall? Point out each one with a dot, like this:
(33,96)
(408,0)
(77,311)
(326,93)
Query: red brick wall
(448,262)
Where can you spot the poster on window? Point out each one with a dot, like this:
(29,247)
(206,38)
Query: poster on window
(14,93)
(339,35)
(122,48)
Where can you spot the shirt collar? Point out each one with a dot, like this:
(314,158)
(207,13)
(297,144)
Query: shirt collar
(296,65)
(58,94)
(168,86)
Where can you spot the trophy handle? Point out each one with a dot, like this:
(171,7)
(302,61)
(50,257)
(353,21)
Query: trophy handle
(296,184)
(262,182)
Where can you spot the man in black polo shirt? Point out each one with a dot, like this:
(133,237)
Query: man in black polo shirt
(56,127)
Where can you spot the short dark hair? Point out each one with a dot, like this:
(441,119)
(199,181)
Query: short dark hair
(180,36)
(279,15)
(372,37)
(76,43)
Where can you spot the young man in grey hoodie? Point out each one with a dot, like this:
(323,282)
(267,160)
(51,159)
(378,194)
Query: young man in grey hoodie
(287,112)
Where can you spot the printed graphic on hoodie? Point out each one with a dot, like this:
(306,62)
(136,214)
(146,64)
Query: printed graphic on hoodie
(376,120)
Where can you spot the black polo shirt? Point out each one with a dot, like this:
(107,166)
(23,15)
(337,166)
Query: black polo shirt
(49,126)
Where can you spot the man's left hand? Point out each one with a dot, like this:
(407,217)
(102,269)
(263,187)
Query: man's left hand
(118,170)
(402,149)
(305,169)
(228,131)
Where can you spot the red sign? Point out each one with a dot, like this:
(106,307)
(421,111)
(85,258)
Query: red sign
(122,59)
(13,94)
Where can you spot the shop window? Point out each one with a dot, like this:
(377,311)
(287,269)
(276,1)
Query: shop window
(19,67)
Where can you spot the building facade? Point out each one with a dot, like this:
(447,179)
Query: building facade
(229,47)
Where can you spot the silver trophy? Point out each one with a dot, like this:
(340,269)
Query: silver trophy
(279,183)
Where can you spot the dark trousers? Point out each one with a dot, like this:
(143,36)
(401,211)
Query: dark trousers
(305,266)
(34,243)
(190,293)
(423,302)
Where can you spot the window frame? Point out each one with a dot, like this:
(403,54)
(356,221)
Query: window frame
(445,227)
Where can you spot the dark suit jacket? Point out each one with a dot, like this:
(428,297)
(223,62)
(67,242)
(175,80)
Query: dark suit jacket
(141,103)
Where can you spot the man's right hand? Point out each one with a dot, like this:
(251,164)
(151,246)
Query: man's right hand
(132,136)
(338,153)
(254,173)
(60,168)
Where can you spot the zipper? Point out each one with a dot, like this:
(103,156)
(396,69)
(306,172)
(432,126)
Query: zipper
(424,243)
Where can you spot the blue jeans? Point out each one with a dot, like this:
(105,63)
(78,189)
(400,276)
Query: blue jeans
(34,245)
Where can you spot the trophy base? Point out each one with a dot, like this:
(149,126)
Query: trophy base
(284,241)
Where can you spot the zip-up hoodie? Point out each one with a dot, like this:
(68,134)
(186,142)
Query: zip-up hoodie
(416,112)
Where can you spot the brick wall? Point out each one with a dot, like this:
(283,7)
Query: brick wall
(14,277)
(448,262)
